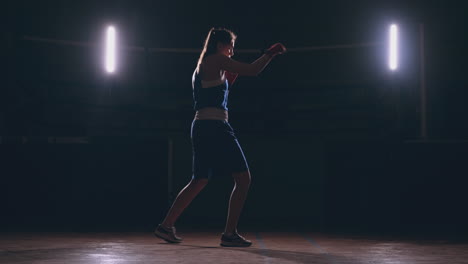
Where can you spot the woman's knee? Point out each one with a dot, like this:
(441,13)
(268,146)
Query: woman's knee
(242,179)
(199,182)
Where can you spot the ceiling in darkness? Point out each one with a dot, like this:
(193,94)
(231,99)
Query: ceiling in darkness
(184,24)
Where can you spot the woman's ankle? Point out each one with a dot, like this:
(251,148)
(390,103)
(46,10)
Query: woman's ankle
(230,233)
(167,225)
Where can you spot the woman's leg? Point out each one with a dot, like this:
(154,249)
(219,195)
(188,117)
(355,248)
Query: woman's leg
(238,196)
(184,198)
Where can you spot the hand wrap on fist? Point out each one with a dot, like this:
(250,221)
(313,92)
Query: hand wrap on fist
(276,49)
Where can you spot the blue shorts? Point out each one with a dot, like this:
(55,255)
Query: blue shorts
(215,149)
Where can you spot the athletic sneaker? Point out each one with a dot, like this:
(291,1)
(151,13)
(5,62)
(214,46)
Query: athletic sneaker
(167,233)
(234,240)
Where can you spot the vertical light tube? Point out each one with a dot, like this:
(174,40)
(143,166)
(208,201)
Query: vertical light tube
(422,84)
(110,49)
(393,48)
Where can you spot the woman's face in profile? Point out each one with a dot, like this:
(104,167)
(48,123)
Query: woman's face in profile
(227,49)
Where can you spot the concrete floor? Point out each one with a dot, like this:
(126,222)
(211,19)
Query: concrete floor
(203,247)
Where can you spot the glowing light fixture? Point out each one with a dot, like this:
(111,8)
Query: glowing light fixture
(110,49)
(393,48)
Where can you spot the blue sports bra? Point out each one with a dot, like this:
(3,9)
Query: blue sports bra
(210,96)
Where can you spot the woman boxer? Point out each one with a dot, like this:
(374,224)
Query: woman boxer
(215,147)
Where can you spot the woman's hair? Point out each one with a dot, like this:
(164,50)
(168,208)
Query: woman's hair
(215,35)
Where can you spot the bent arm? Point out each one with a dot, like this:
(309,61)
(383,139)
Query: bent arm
(250,69)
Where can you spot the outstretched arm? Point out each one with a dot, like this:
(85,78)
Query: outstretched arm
(251,69)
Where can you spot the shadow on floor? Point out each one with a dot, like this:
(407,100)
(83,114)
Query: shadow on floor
(295,256)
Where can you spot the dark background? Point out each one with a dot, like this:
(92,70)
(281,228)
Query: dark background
(332,137)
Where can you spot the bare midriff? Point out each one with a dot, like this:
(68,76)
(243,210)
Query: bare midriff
(211,113)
